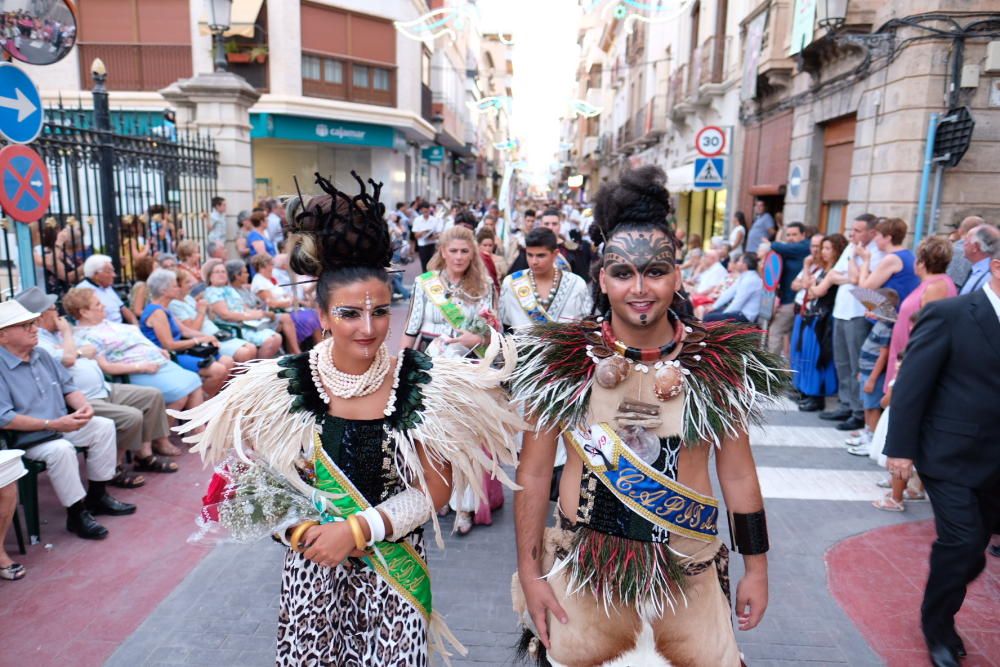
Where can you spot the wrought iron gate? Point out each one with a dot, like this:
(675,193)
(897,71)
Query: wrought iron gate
(127,185)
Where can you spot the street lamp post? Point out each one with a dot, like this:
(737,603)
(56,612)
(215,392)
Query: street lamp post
(219,12)
(105,162)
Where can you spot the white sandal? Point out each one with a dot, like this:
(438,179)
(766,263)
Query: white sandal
(888,504)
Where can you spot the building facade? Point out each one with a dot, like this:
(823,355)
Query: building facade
(825,106)
(341,88)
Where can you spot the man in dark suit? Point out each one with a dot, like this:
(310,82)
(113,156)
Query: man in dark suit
(944,421)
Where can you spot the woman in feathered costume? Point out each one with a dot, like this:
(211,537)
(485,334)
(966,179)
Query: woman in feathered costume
(363,444)
(634,572)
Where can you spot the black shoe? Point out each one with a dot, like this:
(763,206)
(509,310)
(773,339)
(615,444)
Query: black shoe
(109,505)
(851,424)
(85,525)
(810,404)
(838,415)
(994,550)
(943,655)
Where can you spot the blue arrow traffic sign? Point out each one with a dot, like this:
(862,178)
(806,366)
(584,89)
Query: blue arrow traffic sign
(24,183)
(21,113)
(709,172)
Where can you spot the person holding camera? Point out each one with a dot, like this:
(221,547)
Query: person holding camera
(194,350)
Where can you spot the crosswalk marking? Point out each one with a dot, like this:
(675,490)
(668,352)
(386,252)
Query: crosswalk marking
(815,484)
(797,436)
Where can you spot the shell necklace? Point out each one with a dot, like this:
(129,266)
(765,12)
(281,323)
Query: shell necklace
(325,374)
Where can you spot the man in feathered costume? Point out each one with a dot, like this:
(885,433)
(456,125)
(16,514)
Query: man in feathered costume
(633,572)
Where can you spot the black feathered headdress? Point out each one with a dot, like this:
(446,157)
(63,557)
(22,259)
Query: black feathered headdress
(337,231)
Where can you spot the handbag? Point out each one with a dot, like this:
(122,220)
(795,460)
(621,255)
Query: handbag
(204,350)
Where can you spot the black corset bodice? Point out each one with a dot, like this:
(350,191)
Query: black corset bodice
(362,449)
(600,510)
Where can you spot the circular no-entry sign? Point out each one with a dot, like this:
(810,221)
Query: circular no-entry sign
(710,141)
(772,271)
(24,183)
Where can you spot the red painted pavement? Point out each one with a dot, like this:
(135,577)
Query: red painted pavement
(81,599)
(878,578)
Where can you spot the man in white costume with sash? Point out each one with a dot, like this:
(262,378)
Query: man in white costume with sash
(633,572)
(543,292)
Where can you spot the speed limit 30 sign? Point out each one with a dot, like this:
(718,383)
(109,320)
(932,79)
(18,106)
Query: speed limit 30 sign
(710,141)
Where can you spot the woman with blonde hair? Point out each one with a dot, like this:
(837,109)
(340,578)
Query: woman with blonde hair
(452,305)
(453,293)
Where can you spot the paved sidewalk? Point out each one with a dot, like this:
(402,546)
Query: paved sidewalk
(224,612)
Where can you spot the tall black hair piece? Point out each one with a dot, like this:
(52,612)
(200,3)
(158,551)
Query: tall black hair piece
(337,230)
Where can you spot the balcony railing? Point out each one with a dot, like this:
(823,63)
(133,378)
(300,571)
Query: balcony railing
(675,88)
(713,60)
(144,67)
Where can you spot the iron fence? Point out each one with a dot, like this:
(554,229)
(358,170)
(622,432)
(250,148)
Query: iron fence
(123,185)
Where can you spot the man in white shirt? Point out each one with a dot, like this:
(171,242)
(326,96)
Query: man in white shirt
(139,413)
(712,275)
(275,215)
(426,229)
(217,220)
(99,275)
(543,292)
(850,328)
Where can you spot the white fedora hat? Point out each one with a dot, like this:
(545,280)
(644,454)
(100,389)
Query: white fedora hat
(12,312)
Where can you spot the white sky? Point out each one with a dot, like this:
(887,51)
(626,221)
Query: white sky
(545,61)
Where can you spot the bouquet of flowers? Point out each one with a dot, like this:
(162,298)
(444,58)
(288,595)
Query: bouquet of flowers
(484,323)
(247,500)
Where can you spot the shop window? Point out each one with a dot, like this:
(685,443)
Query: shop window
(333,71)
(311,68)
(359,76)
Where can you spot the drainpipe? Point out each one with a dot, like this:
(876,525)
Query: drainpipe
(925,178)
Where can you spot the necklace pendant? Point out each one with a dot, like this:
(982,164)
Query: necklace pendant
(668,382)
(611,371)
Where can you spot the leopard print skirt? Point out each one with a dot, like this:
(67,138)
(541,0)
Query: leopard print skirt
(346,617)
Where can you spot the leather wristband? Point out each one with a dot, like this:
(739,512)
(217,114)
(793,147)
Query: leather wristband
(748,533)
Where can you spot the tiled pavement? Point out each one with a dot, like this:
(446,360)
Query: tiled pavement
(224,612)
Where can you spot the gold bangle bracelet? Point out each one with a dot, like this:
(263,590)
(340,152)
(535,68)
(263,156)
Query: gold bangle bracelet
(298,532)
(359,534)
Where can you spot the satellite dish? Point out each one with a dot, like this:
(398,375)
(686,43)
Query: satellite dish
(37,32)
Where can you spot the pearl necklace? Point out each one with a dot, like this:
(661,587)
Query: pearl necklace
(546,302)
(344,385)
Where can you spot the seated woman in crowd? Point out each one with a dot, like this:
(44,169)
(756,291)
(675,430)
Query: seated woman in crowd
(138,295)
(193,313)
(189,259)
(123,350)
(160,326)
(134,245)
(58,257)
(239,278)
(225,303)
(257,238)
(277,296)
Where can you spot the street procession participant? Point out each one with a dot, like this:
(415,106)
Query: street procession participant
(567,297)
(634,572)
(373,443)
(452,310)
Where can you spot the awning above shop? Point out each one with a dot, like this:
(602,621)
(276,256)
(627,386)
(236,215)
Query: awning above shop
(681,179)
(241,20)
(320,130)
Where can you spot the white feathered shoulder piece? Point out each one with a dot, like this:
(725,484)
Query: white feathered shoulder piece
(455,409)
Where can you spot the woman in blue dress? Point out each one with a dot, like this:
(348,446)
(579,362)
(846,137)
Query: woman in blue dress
(159,325)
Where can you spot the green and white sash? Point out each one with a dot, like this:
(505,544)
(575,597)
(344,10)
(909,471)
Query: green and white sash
(643,489)
(436,291)
(403,568)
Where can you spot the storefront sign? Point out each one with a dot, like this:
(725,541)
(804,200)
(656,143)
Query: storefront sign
(803,25)
(433,154)
(300,128)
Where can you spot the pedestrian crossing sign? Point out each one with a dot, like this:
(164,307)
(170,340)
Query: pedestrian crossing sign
(709,172)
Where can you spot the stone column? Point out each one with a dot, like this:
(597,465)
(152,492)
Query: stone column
(218,104)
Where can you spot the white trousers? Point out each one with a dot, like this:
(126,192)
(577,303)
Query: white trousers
(98,436)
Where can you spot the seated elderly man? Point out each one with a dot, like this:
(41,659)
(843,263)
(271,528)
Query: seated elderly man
(99,275)
(34,394)
(138,412)
(741,300)
(709,281)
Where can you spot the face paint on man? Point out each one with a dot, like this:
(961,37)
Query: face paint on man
(638,275)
